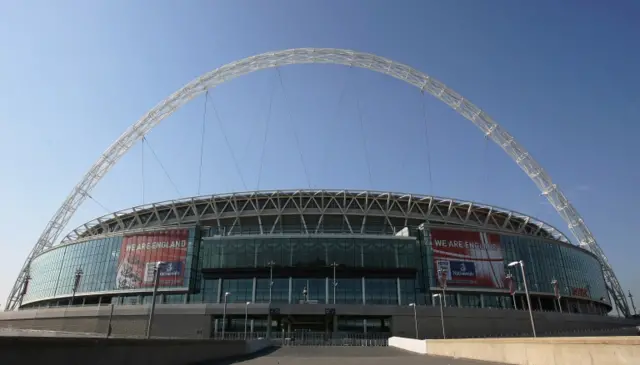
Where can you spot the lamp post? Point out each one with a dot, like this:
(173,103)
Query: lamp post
(270,264)
(156,281)
(335,283)
(224,313)
(246,315)
(415,317)
(444,335)
(512,290)
(442,275)
(76,283)
(556,293)
(526,290)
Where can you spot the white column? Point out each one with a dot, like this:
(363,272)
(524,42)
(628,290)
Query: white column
(253,290)
(290,286)
(481,300)
(364,293)
(326,290)
(219,290)
(398,287)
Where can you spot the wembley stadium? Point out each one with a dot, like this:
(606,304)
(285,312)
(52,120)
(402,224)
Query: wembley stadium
(325,261)
(363,253)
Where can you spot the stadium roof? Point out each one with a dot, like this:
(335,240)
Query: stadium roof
(307,210)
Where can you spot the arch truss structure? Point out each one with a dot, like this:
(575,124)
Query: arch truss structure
(372,62)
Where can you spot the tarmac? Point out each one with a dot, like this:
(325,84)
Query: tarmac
(344,355)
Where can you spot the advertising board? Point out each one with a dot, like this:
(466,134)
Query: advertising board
(468,258)
(139,254)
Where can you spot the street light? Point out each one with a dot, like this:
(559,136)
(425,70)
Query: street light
(246,315)
(444,335)
(335,283)
(76,283)
(415,317)
(556,293)
(156,281)
(270,264)
(526,290)
(224,313)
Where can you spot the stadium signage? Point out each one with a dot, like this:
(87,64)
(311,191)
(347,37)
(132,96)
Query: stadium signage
(156,245)
(460,244)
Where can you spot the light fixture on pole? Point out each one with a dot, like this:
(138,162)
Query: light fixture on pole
(271,263)
(556,293)
(415,317)
(335,283)
(512,290)
(156,281)
(76,283)
(444,335)
(442,277)
(224,313)
(526,290)
(246,315)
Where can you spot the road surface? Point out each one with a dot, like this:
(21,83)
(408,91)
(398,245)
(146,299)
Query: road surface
(346,355)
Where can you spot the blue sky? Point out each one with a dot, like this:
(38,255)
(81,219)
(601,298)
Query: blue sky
(560,76)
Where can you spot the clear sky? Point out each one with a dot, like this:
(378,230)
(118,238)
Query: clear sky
(562,77)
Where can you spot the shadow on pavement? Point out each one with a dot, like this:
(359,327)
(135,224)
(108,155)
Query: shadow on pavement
(236,359)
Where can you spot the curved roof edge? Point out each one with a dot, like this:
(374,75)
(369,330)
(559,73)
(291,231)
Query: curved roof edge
(305,201)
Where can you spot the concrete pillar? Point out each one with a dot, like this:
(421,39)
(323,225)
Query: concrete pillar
(481,300)
(458,297)
(326,291)
(399,291)
(253,290)
(364,326)
(219,290)
(539,304)
(290,287)
(364,293)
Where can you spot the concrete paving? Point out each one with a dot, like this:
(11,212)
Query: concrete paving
(346,355)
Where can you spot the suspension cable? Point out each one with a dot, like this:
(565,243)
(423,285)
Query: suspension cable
(142,168)
(145,140)
(264,141)
(226,140)
(426,138)
(364,141)
(294,127)
(204,119)
(97,202)
(334,118)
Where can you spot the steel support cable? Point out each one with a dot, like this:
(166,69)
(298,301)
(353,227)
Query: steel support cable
(226,141)
(295,129)
(334,118)
(264,140)
(368,61)
(142,167)
(100,204)
(364,140)
(426,138)
(204,120)
(145,140)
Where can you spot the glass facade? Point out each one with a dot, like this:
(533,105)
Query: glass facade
(370,269)
(53,273)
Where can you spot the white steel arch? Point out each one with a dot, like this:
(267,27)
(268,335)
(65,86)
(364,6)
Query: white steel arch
(425,83)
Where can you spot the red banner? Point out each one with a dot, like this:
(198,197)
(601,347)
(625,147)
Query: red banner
(580,292)
(140,254)
(469,258)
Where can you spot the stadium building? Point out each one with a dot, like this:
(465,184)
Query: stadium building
(323,261)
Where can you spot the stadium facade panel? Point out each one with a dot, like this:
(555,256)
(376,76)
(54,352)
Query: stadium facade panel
(380,248)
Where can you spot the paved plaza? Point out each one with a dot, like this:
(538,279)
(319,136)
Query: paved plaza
(346,355)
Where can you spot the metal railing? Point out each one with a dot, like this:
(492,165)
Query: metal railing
(306,338)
